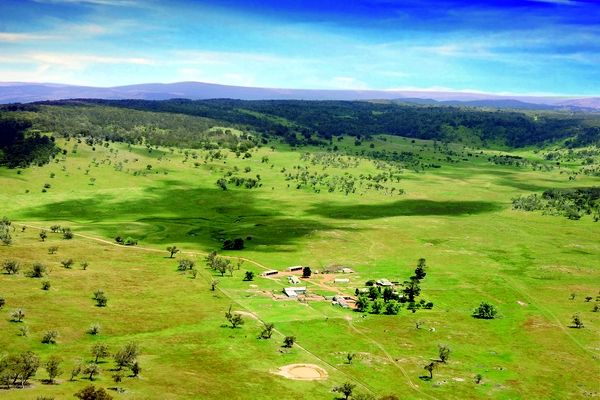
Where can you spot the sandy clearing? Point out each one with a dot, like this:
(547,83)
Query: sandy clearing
(302,372)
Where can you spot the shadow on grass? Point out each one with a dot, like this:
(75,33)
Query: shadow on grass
(177,214)
(404,208)
(425,378)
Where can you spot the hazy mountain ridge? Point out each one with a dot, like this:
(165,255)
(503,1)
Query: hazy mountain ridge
(18,92)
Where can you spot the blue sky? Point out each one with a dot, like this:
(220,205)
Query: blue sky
(521,47)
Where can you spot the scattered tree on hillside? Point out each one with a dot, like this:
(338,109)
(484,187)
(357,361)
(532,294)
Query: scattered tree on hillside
(443,352)
(485,310)
(420,270)
(235,319)
(350,357)
(17,315)
(213,284)
(135,369)
(172,251)
(55,228)
(289,341)
(412,289)
(43,235)
(101,298)
(249,276)
(94,329)
(267,331)
(53,368)
(100,350)
(84,265)
(306,272)
(185,264)
(52,249)
(377,306)
(429,368)
(362,303)
(68,263)
(91,370)
(76,370)
(50,337)
(577,322)
(11,266)
(345,390)
(67,233)
(127,355)
(37,270)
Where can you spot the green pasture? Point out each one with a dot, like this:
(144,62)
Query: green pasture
(458,217)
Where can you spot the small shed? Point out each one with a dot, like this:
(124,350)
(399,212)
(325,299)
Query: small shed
(270,272)
(347,270)
(295,268)
(294,291)
(341,280)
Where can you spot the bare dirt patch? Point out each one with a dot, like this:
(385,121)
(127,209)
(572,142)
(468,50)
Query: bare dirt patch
(302,372)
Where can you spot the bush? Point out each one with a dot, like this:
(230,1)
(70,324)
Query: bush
(11,266)
(68,263)
(67,234)
(17,315)
(46,285)
(101,298)
(2,302)
(235,244)
(485,311)
(185,264)
(249,276)
(91,393)
(94,329)
(37,270)
(50,337)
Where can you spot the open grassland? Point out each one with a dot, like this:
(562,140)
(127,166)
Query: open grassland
(458,217)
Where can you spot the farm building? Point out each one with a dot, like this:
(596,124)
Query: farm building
(270,272)
(341,280)
(294,291)
(384,282)
(293,280)
(340,301)
(347,270)
(295,268)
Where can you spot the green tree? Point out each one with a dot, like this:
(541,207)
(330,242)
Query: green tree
(11,266)
(91,370)
(172,251)
(377,306)
(345,390)
(127,355)
(420,270)
(485,310)
(289,341)
(429,368)
(53,368)
(577,322)
(100,350)
(443,352)
(306,272)
(37,270)
(362,303)
(249,276)
(392,307)
(235,319)
(43,235)
(267,331)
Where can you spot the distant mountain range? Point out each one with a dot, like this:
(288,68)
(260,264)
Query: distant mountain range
(18,92)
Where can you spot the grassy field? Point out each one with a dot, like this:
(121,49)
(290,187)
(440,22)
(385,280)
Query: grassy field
(459,217)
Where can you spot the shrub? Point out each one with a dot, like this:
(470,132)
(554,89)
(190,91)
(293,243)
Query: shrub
(68,263)
(289,341)
(2,302)
(101,298)
(52,249)
(11,266)
(37,270)
(50,337)
(67,234)
(485,311)
(17,315)
(94,329)
(91,393)
(46,285)
(185,264)
(249,276)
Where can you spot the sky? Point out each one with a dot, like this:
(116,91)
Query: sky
(533,47)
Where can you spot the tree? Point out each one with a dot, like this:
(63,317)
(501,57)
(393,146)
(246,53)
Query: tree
(52,249)
(412,289)
(350,357)
(27,365)
(289,341)
(485,310)
(377,306)
(235,319)
(429,368)
(392,307)
(53,368)
(46,285)
(68,263)
(43,235)
(17,315)
(577,322)
(362,303)
(101,298)
(249,276)
(50,337)
(267,331)
(306,272)
(374,292)
(210,259)
(185,264)
(443,352)
(346,389)
(172,251)
(213,284)
(2,302)
(37,270)
(11,266)
(126,355)
(84,265)
(420,270)
(100,350)
(91,370)
(94,329)
(76,370)
(478,378)
(67,234)
(221,265)
(91,393)
(55,228)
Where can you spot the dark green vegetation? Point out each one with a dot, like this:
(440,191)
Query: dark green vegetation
(155,269)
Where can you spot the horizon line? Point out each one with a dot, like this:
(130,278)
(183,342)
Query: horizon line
(361,90)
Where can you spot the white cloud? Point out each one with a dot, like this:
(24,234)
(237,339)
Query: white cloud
(23,37)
